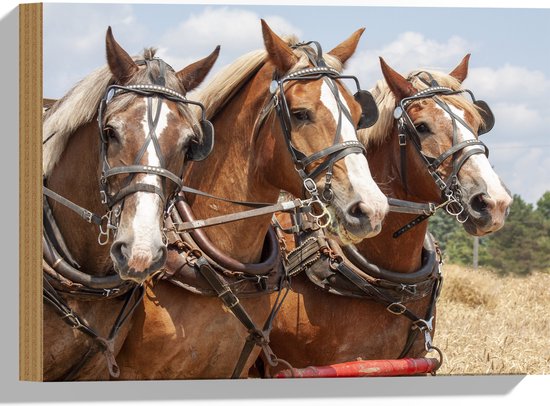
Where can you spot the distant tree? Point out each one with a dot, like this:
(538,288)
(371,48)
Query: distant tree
(542,215)
(514,248)
(443,226)
(459,248)
(521,246)
(543,206)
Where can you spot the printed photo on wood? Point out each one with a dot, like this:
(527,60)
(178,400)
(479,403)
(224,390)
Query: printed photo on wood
(282,192)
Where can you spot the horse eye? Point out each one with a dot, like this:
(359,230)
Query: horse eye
(301,115)
(422,128)
(111,134)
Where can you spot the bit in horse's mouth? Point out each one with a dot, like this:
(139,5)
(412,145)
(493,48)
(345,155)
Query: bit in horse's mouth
(344,236)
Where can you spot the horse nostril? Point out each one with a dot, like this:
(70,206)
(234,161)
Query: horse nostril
(119,251)
(359,210)
(480,202)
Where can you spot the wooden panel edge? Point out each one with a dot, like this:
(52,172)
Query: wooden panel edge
(30,192)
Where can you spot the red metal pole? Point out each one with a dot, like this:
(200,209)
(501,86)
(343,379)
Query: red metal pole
(383,367)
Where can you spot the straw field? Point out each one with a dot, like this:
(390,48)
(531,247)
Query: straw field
(489,324)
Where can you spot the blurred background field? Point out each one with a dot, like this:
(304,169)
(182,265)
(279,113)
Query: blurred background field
(493,322)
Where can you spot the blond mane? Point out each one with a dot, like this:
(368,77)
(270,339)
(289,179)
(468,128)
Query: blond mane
(79,107)
(232,78)
(385,100)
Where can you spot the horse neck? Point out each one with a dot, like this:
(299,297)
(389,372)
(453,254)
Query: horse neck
(76,177)
(232,172)
(402,254)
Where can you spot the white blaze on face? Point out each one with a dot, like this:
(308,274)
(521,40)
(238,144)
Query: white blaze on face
(479,162)
(356,164)
(145,225)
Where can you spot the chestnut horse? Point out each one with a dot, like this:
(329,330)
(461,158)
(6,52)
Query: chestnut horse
(128,121)
(423,149)
(263,135)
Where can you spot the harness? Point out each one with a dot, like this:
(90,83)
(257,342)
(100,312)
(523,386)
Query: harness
(345,272)
(450,187)
(195,264)
(229,279)
(62,276)
(339,148)
(114,200)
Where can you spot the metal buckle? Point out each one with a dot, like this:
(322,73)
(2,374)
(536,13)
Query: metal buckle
(109,292)
(87,215)
(103,196)
(396,308)
(103,237)
(325,214)
(411,289)
(425,327)
(310,186)
(73,318)
(231,305)
(402,139)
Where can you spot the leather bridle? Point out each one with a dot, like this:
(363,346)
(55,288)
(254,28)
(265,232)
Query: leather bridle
(339,149)
(449,186)
(114,200)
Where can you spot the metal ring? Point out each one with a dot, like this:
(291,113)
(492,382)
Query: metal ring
(434,348)
(312,206)
(328,220)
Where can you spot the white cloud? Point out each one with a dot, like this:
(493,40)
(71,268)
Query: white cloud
(516,117)
(74,44)
(509,82)
(409,51)
(523,170)
(237,31)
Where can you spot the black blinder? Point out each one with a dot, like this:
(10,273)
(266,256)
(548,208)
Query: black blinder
(369,109)
(486,115)
(198,151)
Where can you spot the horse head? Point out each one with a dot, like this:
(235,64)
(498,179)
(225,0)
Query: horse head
(317,121)
(146,129)
(438,128)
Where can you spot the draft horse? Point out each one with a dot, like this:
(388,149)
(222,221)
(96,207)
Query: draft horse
(283,121)
(376,299)
(112,145)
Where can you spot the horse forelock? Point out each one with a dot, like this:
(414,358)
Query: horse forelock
(385,100)
(80,105)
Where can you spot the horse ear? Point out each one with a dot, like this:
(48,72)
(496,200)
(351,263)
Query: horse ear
(461,71)
(192,75)
(121,64)
(279,52)
(399,86)
(347,48)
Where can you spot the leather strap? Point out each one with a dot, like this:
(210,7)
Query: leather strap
(229,218)
(222,288)
(106,345)
(225,261)
(81,211)
(405,206)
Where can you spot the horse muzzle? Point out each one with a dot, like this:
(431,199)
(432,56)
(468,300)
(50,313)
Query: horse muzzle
(137,264)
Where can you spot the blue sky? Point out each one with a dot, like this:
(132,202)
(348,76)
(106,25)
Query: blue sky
(509,68)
